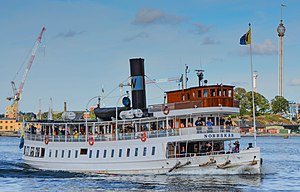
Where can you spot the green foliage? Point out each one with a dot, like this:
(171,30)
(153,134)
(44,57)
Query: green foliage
(240,96)
(280,105)
(245,100)
(92,115)
(261,104)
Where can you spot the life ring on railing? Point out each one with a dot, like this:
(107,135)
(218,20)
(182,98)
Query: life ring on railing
(143,136)
(91,140)
(46,140)
(166,110)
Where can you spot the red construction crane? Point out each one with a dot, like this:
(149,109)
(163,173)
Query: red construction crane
(12,110)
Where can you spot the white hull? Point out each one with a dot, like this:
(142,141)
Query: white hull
(240,163)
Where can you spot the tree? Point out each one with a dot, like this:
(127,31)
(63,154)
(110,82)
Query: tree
(240,96)
(261,104)
(280,105)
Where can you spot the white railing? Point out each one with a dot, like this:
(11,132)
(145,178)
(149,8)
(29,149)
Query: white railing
(134,135)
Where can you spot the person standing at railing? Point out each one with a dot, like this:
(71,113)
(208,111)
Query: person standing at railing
(209,125)
(228,124)
(199,122)
(75,134)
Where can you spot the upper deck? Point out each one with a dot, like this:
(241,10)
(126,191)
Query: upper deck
(202,96)
(146,128)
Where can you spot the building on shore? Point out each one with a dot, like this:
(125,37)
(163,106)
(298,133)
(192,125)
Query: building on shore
(10,125)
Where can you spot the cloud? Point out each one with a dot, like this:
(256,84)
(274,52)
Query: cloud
(70,34)
(136,36)
(200,28)
(154,16)
(295,82)
(266,48)
(210,41)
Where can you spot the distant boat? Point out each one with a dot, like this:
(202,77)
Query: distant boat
(286,137)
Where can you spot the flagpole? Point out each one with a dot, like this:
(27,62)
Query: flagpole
(253,105)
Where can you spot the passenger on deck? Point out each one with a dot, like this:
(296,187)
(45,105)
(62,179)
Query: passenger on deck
(209,125)
(75,134)
(222,121)
(236,146)
(199,122)
(228,122)
(208,148)
(249,146)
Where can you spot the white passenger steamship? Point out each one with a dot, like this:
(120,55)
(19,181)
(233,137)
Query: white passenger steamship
(160,139)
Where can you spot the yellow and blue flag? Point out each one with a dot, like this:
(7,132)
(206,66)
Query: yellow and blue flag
(246,38)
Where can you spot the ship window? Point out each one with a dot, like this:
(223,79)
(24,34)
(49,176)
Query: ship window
(153,150)
(76,153)
(219,92)
(199,93)
(27,150)
(104,153)
(91,153)
(62,153)
(205,93)
(31,151)
(83,151)
(112,153)
(42,152)
(224,92)
(212,92)
(56,153)
(37,152)
(182,98)
(145,151)
(50,152)
(69,154)
(229,93)
(188,96)
(97,154)
(120,152)
(136,151)
(128,152)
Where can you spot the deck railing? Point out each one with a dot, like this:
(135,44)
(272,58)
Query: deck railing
(133,135)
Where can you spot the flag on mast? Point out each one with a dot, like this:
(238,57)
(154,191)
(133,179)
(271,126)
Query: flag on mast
(246,38)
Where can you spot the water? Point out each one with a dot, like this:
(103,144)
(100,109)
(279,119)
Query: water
(281,172)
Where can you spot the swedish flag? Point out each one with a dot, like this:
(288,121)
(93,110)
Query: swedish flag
(246,38)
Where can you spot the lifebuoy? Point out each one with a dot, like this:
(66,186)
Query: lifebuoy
(166,110)
(143,136)
(91,140)
(46,140)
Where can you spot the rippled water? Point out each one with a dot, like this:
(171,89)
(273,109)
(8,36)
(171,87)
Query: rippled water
(281,172)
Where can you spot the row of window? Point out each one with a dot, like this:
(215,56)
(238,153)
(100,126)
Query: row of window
(39,152)
(6,127)
(6,121)
(209,93)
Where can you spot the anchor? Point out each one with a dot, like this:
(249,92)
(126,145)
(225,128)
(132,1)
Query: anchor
(179,165)
(254,161)
(223,166)
(211,161)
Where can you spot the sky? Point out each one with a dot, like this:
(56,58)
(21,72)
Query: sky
(88,43)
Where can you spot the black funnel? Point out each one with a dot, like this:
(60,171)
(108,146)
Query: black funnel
(138,92)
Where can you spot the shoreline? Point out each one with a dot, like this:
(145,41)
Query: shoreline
(271,135)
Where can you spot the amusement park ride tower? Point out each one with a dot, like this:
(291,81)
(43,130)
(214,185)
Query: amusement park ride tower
(280,30)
